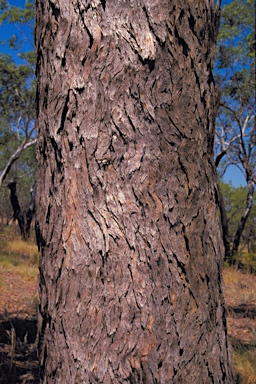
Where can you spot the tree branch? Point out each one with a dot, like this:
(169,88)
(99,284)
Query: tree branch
(25,144)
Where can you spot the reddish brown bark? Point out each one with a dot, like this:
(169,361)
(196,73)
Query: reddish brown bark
(131,266)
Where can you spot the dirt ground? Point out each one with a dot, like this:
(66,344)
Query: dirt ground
(18,332)
(240,295)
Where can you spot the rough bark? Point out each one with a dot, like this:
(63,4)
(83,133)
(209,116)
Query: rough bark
(225,229)
(131,265)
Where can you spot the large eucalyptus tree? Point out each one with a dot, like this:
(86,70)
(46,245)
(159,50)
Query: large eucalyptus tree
(131,265)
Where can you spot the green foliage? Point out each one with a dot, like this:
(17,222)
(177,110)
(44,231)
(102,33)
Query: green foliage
(250,260)
(236,44)
(29,57)
(19,15)
(17,90)
(3,5)
(17,110)
(234,201)
(237,18)
(235,75)
(23,19)
(17,105)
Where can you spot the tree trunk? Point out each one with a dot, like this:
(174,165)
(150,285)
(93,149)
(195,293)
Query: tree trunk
(242,222)
(131,265)
(24,219)
(31,210)
(17,213)
(225,229)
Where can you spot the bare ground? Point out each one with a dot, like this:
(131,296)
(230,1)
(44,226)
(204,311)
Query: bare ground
(18,331)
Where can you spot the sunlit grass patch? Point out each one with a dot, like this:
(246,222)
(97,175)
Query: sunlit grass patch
(240,287)
(22,248)
(29,272)
(10,260)
(250,260)
(231,276)
(245,365)
(240,297)
(18,255)
(19,248)
(2,284)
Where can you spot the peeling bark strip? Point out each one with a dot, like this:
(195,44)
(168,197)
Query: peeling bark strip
(130,273)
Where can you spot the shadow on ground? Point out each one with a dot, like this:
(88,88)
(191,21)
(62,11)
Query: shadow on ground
(18,351)
(243,310)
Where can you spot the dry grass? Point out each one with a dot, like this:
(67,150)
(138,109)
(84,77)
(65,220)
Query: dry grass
(241,302)
(21,248)
(240,289)
(2,284)
(245,365)
(232,277)
(18,308)
(18,255)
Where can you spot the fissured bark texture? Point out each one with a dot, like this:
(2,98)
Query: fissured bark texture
(130,272)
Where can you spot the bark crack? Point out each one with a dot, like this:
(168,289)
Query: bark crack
(103,2)
(64,114)
(55,10)
(58,156)
(181,42)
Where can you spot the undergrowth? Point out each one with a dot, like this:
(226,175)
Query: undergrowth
(240,296)
(244,361)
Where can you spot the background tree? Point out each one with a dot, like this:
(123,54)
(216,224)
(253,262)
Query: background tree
(234,202)
(131,266)
(235,137)
(17,109)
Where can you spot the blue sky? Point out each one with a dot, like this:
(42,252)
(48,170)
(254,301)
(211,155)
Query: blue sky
(232,174)
(8,30)
(235,176)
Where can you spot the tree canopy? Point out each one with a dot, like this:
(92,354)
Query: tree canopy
(235,73)
(17,106)
(234,202)
(235,136)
